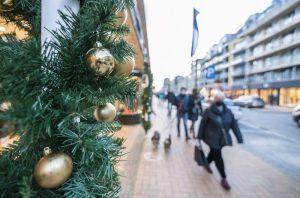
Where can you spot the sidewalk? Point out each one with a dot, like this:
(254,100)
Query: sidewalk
(174,174)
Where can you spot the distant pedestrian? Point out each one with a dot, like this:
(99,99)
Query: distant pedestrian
(194,109)
(214,131)
(182,111)
(171,101)
(161,98)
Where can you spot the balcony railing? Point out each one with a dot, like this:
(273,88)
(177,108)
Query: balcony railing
(274,67)
(284,28)
(290,45)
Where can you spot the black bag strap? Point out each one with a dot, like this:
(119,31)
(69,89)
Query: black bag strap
(220,120)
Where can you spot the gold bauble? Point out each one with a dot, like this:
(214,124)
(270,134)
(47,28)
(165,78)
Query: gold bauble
(105,113)
(5,106)
(100,60)
(53,169)
(126,68)
(121,17)
(6,5)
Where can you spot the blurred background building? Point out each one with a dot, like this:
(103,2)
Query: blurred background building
(262,58)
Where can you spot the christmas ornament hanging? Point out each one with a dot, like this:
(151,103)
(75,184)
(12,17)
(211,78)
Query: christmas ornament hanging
(145,80)
(6,5)
(126,68)
(105,113)
(5,106)
(121,17)
(53,169)
(100,60)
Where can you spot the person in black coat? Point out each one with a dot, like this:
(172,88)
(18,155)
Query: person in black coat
(194,109)
(182,111)
(171,101)
(214,128)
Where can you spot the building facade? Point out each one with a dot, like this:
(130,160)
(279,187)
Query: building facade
(262,58)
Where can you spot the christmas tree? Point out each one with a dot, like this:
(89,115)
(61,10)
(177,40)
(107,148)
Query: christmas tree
(147,98)
(61,96)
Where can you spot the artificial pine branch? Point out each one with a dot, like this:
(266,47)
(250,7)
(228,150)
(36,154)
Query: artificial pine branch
(49,90)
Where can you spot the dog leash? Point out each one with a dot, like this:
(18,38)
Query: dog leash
(169,123)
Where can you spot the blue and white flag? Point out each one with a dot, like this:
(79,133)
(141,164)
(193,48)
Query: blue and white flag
(195,33)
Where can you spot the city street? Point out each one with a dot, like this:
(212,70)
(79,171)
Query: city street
(266,165)
(274,137)
(276,121)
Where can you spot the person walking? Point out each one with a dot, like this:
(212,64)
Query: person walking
(194,109)
(171,101)
(214,131)
(182,111)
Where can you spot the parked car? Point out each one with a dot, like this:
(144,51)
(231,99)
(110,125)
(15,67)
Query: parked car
(249,101)
(236,110)
(296,114)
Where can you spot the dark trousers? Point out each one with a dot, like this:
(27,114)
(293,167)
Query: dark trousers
(184,117)
(170,107)
(216,156)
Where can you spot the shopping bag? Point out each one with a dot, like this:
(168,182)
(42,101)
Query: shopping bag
(199,154)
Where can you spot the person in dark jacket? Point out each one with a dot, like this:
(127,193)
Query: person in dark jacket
(171,101)
(214,128)
(194,109)
(182,111)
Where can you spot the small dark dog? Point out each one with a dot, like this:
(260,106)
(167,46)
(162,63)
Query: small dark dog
(155,138)
(168,142)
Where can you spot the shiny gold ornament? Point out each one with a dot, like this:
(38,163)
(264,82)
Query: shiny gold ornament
(5,106)
(53,169)
(126,68)
(6,5)
(121,17)
(105,113)
(100,60)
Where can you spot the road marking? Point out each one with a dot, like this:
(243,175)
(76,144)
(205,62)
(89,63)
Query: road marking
(269,132)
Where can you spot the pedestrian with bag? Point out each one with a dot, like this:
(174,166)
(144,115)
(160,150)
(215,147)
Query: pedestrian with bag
(171,101)
(182,111)
(214,128)
(194,109)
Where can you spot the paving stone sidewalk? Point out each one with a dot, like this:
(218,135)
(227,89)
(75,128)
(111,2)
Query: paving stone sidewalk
(174,173)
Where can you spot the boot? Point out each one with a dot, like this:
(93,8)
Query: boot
(225,184)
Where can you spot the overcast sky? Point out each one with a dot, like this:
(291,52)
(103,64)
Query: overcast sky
(170,25)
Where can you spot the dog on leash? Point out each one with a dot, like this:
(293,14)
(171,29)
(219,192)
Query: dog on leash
(168,142)
(155,138)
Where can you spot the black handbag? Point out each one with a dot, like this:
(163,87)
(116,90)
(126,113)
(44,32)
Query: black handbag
(199,154)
